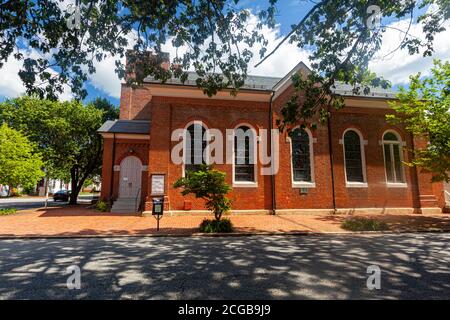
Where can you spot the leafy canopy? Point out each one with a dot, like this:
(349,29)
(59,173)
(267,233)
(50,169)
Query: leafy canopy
(208,184)
(424,109)
(213,30)
(20,164)
(214,37)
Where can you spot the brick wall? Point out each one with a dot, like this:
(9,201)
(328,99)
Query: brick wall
(169,113)
(173,113)
(135,103)
(122,149)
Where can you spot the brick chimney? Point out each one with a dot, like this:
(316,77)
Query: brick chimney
(138,62)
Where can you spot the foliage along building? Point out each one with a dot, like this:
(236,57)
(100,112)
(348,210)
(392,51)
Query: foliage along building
(353,163)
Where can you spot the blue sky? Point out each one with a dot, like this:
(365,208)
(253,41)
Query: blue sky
(396,67)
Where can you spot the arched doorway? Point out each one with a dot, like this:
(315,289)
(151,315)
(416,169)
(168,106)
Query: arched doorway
(130,177)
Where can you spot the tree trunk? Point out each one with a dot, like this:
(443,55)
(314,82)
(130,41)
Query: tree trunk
(74,186)
(79,174)
(77,184)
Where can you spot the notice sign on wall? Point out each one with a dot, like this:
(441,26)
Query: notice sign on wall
(158,183)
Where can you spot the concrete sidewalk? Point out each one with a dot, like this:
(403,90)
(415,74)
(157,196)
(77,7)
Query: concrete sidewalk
(81,221)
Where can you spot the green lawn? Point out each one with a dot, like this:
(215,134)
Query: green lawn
(7,211)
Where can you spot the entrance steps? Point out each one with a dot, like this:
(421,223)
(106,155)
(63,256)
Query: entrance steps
(124,205)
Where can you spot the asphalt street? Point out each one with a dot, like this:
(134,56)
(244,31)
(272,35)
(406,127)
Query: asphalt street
(23,203)
(413,266)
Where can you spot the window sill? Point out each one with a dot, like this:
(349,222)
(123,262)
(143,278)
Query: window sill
(245,184)
(396,185)
(356,185)
(303,185)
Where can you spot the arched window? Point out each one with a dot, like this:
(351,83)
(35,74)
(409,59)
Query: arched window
(301,156)
(195,146)
(354,157)
(392,149)
(244,154)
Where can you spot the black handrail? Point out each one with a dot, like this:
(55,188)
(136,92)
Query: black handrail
(136,205)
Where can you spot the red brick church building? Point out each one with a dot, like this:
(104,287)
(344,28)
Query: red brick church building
(353,163)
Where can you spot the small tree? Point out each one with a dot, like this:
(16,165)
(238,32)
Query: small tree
(20,165)
(424,109)
(208,184)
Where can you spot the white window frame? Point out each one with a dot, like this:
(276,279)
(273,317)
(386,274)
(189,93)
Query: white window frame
(303,184)
(401,144)
(362,144)
(198,122)
(246,184)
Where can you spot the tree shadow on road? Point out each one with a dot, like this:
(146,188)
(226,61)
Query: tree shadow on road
(277,267)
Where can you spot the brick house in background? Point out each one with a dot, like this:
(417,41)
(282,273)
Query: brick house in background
(352,163)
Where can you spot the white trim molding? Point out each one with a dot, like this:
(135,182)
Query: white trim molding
(362,144)
(246,184)
(396,185)
(356,184)
(193,122)
(131,136)
(297,185)
(180,91)
(303,184)
(400,143)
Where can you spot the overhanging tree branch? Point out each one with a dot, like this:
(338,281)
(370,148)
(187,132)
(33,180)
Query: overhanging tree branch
(297,27)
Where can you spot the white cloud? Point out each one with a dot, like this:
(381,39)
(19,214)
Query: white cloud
(282,61)
(105,78)
(277,65)
(397,67)
(11,85)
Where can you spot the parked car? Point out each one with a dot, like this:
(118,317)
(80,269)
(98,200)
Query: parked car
(62,195)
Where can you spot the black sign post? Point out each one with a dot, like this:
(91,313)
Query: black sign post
(158,210)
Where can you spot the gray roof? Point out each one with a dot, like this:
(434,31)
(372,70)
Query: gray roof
(343,89)
(263,83)
(126,126)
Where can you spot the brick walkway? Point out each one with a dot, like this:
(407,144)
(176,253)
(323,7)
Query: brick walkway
(73,221)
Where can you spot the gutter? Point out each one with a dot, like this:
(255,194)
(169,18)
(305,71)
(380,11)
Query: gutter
(330,151)
(416,191)
(272,176)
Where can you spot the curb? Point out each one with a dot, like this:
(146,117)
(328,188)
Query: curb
(221,235)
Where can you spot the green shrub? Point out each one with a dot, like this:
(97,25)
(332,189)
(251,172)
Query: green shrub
(29,190)
(208,184)
(103,206)
(363,224)
(14,192)
(7,211)
(216,226)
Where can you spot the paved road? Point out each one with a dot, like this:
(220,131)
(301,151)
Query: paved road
(22,203)
(26,203)
(281,267)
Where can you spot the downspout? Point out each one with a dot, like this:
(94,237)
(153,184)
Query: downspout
(416,196)
(272,176)
(330,151)
(112,167)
